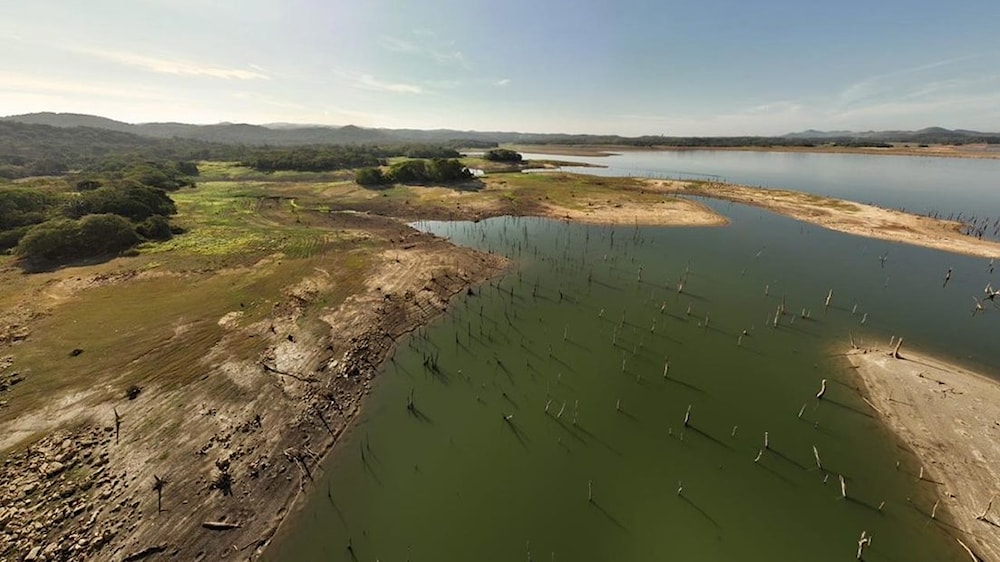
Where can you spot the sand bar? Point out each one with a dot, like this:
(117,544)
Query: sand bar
(950,417)
(844,216)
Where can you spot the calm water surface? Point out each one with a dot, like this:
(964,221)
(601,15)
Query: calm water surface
(573,345)
(948,186)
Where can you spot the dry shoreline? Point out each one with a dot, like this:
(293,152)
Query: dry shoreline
(843,216)
(91,497)
(950,417)
(236,470)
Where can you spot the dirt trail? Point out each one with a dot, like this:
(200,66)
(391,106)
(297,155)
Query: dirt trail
(951,418)
(234,448)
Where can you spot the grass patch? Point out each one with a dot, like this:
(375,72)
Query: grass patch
(245,244)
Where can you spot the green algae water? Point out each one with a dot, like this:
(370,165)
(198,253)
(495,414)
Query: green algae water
(608,399)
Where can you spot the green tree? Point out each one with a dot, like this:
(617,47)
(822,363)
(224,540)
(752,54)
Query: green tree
(61,240)
(502,155)
(409,171)
(370,176)
(447,170)
(132,200)
(156,227)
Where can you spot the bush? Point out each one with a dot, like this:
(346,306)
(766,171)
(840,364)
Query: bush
(425,171)
(106,234)
(11,238)
(409,171)
(502,155)
(20,206)
(444,170)
(370,176)
(156,227)
(61,240)
(133,201)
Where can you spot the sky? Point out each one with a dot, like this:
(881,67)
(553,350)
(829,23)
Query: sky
(629,67)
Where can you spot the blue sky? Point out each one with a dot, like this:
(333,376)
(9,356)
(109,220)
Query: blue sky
(712,67)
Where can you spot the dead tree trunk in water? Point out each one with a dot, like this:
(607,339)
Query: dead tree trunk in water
(895,352)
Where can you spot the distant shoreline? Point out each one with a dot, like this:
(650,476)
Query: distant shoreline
(973,151)
(843,216)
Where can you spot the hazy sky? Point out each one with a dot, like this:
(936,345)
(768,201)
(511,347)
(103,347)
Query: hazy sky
(698,67)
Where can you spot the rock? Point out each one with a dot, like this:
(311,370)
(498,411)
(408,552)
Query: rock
(28,488)
(52,468)
(33,554)
(5,517)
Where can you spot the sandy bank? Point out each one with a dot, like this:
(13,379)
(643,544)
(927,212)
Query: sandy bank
(667,212)
(844,216)
(951,418)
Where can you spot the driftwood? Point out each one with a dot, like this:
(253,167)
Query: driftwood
(220,525)
(822,389)
(863,542)
(969,550)
(983,516)
(270,369)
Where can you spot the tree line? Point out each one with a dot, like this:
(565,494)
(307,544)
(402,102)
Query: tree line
(414,171)
(338,157)
(28,150)
(104,211)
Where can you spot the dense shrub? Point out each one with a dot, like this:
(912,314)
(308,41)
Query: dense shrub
(447,170)
(67,239)
(437,170)
(409,171)
(370,177)
(133,201)
(502,155)
(20,206)
(156,227)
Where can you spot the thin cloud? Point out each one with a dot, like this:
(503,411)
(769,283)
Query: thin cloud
(27,84)
(882,84)
(397,45)
(502,82)
(369,82)
(441,52)
(177,67)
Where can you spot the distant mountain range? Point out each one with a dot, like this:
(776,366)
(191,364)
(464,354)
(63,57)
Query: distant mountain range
(290,134)
(934,134)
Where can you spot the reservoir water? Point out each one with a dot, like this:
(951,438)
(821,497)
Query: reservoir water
(921,185)
(581,407)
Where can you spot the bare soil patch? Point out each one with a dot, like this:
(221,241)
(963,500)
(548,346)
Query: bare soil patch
(950,417)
